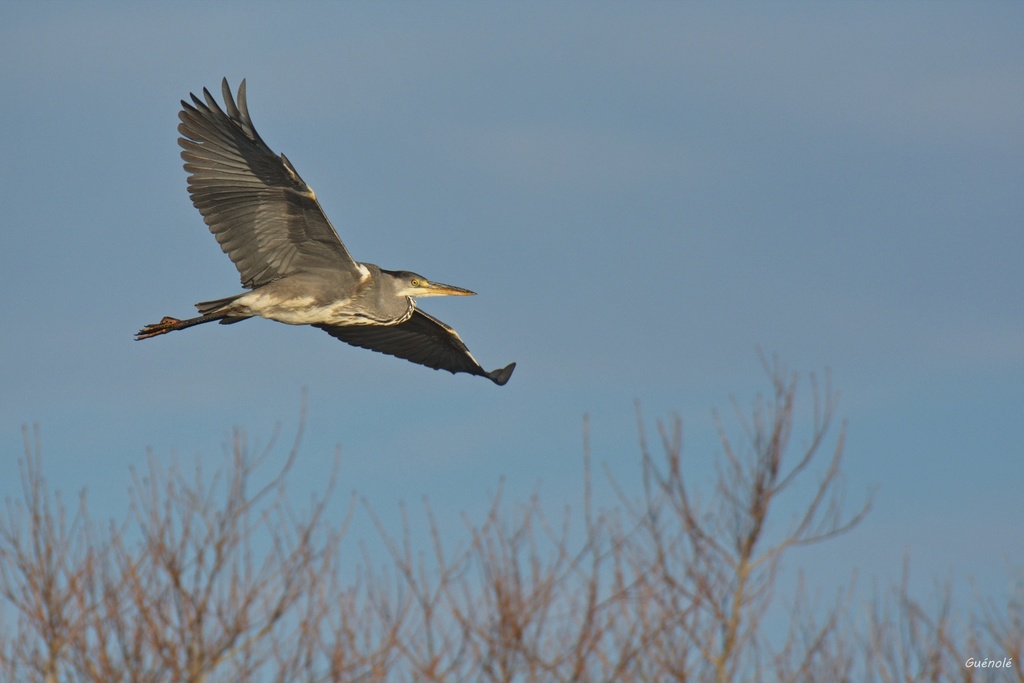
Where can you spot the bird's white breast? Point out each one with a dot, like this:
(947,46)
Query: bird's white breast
(301,310)
(293,310)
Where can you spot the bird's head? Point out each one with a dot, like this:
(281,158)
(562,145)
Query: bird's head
(415,285)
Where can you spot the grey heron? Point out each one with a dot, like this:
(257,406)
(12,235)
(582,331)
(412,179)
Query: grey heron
(290,258)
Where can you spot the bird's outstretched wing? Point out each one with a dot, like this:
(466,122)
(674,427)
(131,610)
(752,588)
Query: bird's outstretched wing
(421,339)
(265,217)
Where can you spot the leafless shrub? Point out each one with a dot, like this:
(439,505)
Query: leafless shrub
(184,598)
(908,640)
(218,578)
(1001,631)
(711,569)
(46,565)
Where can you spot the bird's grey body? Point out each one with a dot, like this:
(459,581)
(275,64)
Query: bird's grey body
(331,297)
(290,258)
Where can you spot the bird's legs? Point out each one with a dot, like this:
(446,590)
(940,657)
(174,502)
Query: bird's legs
(169,324)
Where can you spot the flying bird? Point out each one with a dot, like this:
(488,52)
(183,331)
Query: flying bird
(290,258)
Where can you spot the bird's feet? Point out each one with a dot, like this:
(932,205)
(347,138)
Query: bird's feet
(168,324)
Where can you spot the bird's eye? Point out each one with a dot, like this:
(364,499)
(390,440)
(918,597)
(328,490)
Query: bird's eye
(415,282)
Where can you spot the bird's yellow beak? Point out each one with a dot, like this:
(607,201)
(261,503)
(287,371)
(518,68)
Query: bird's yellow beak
(439,289)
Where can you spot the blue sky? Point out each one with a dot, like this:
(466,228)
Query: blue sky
(641,194)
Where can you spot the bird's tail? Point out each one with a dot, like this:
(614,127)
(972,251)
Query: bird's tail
(205,307)
(218,305)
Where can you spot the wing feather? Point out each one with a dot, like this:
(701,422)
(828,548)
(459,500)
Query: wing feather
(264,216)
(422,339)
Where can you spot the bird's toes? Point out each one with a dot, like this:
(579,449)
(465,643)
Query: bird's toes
(167,324)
